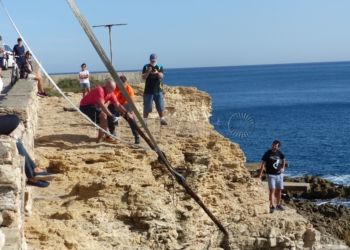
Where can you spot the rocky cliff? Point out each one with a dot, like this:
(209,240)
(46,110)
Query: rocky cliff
(120,197)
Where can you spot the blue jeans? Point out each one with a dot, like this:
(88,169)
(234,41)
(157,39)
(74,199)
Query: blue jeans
(29,165)
(148,101)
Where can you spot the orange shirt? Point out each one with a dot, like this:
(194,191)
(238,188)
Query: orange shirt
(120,97)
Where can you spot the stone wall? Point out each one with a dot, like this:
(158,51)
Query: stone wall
(133,77)
(14,195)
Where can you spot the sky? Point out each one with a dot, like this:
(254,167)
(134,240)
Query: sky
(184,34)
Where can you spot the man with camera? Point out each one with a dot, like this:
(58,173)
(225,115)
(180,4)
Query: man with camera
(153,74)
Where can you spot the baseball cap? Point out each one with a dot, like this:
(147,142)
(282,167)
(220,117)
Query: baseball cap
(153,57)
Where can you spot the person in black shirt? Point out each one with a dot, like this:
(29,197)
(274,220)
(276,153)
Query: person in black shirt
(274,162)
(153,74)
(18,52)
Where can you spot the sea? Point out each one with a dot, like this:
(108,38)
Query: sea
(304,106)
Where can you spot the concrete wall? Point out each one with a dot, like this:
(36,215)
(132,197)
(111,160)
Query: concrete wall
(133,77)
(15,197)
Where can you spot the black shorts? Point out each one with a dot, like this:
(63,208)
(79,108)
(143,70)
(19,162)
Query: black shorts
(1,61)
(92,112)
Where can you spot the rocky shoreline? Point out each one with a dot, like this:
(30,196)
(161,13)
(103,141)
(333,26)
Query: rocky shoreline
(120,197)
(327,218)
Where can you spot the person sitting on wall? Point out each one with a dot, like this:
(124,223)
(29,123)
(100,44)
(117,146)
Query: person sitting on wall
(26,71)
(35,175)
(99,96)
(122,100)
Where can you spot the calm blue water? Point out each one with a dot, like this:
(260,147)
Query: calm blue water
(305,106)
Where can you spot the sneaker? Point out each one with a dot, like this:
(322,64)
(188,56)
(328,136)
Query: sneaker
(272,209)
(111,140)
(279,207)
(137,140)
(45,94)
(163,122)
(44,176)
(42,184)
(40,94)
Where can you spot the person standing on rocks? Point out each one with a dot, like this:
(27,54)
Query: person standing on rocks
(274,162)
(84,79)
(122,100)
(153,74)
(93,105)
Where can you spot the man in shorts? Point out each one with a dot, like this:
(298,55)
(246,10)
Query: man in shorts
(84,79)
(153,74)
(26,71)
(93,105)
(274,161)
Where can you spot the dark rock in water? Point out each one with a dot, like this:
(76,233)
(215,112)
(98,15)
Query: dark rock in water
(319,188)
(327,218)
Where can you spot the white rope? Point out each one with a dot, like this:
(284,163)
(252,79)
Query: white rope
(59,90)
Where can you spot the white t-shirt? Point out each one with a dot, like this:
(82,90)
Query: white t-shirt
(2,47)
(84,73)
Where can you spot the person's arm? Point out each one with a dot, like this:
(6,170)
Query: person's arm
(102,106)
(80,76)
(261,169)
(283,165)
(160,73)
(123,111)
(146,73)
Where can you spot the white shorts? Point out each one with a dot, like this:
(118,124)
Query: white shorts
(31,76)
(275,181)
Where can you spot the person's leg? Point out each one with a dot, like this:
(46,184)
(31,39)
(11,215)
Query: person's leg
(278,196)
(8,123)
(104,125)
(113,110)
(147,105)
(279,188)
(159,100)
(94,114)
(83,91)
(272,187)
(29,165)
(40,84)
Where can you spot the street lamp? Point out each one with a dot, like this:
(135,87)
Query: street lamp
(110,34)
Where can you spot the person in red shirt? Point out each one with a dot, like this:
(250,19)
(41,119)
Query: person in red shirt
(93,105)
(122,100)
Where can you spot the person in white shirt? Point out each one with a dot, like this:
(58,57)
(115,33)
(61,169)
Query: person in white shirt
(84,80)
(2,51)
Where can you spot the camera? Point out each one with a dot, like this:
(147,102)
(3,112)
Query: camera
(154,68)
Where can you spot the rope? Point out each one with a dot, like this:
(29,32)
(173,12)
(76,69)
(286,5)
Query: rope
(59,90)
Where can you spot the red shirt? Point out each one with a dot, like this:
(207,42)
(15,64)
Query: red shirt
(96,95)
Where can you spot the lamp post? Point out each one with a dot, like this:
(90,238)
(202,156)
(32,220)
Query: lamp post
(110,34)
